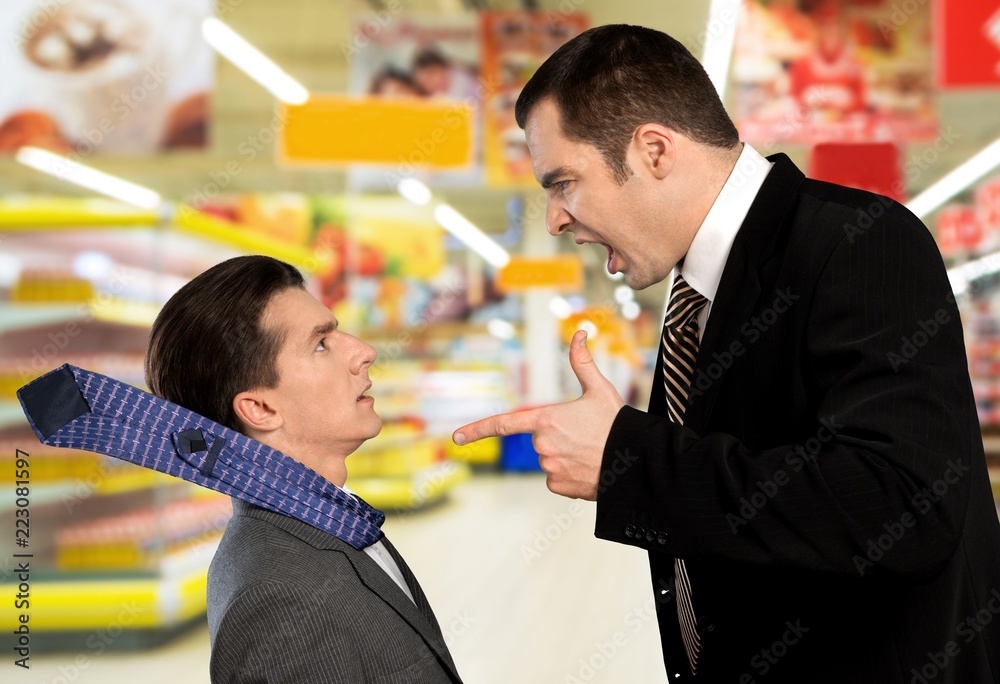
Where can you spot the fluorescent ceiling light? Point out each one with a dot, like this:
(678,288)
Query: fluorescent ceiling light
(10,270)
(414,191)
(961,276)
(253,62)
(478,241)
(92,265)
(720,36)
(92,179)
(500,328)
(957,180)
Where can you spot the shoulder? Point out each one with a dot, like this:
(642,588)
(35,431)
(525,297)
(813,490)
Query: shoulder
(282,632)
(843,211)
(260,561)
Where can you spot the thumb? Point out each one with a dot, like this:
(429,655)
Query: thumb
(583,363)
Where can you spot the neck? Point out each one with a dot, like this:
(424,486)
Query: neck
(329,463)
(708,173)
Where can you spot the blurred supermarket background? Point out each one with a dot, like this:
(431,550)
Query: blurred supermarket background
(143,141)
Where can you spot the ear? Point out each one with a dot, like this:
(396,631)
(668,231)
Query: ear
(256,413)
(654,147)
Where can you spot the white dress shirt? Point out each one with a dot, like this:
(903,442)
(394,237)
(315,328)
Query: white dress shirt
(707,255)
(381,555)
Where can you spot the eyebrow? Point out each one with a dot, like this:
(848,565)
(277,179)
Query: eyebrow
(549,178)
(322,329)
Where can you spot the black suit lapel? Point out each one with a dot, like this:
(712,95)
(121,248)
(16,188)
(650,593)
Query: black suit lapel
(738,293)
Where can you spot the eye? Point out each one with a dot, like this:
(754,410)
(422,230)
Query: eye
(561,185)
(321,345)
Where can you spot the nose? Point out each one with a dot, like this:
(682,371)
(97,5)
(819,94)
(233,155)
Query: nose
(364,356)
(557,219)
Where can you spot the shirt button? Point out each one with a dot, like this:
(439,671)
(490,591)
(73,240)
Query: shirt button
(651,535)
(630,531)
(640,532)
(661,538)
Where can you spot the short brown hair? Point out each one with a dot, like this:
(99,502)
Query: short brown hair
(609,80)
(208,343)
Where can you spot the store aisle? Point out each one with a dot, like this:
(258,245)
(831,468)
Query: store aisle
(524,593)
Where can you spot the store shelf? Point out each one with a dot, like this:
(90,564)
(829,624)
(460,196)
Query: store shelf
(134,479)
(413,491)
(37,315)
(175,596)
(88,214)
(11,414)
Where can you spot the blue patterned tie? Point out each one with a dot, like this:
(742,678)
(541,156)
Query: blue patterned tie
(80,409)
(679,351)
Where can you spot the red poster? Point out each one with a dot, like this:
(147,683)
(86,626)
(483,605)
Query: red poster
(957,229)
(868,166)
(834,70)
(968,37)
(987,201)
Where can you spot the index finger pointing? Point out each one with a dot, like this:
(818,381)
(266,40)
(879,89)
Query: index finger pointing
(497,426)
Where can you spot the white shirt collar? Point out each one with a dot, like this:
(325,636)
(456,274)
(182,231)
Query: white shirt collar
(706,258)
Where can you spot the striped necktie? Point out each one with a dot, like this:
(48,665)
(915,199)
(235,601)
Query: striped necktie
(679,350)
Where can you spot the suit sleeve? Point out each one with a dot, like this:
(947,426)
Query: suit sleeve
(274,634)
(887,378)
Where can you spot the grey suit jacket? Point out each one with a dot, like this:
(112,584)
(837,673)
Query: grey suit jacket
(290,603)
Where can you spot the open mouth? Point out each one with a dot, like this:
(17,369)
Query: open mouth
(612,264)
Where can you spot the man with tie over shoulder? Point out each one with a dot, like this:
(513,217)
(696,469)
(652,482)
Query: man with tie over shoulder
(304,588)
(809,477)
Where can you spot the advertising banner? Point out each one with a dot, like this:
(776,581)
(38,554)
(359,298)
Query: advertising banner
(829,70)
(414,60)
(968,43)
(515,43)
(123,77)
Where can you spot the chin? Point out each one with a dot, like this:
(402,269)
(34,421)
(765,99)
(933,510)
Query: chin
(376,426)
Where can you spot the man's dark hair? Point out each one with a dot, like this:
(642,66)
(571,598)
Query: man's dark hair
(208,343)
(609,80)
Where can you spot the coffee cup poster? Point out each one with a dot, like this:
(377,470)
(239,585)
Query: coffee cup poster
(807,71)
(115,77)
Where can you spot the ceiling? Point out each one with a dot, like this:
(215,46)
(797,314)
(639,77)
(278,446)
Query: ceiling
(308,38)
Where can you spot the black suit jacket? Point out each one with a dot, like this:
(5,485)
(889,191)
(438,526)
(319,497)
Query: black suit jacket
(828,489)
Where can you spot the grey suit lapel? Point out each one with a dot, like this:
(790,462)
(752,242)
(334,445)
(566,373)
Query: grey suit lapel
(411,581)
(416,615)
(420,616)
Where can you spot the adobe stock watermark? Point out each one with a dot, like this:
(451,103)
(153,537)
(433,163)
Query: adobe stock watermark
(97,643)
(796,459)
(914,167)
(551,533)
(34,22)
(928,329)
(895,530)
(752,330)
(901,12)
(968,629)
(366,30)
(604,651)
(768,657)
(41,358)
